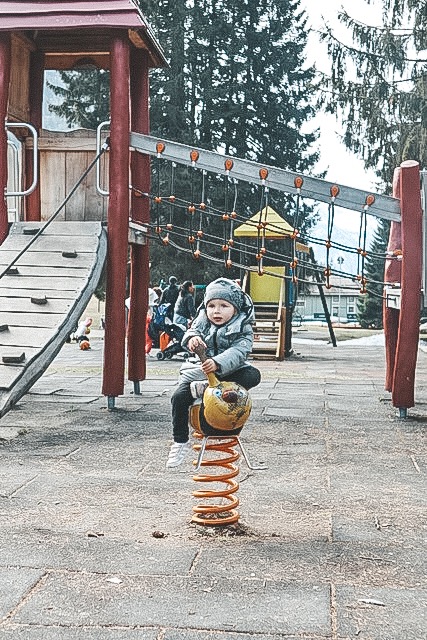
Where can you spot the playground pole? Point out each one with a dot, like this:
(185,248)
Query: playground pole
(5,62)
(33,204)
(401,326)
(140,212)
(118,221)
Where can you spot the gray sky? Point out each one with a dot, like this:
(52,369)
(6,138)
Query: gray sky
(341,165)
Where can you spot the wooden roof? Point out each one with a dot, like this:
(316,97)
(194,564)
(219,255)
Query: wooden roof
(66,27)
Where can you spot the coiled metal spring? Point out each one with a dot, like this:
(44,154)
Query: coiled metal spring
(220,503)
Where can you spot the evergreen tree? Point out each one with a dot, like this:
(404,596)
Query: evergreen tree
(370,305)
(237,82)
(250,82)
(378,89)
(169,114)
(85,97)
(248,92)
(378,86)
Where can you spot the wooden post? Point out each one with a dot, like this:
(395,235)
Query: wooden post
(402,326)
(118,220)
(392,274)
(33,205)
(5,61)
(140,212)
(323,299)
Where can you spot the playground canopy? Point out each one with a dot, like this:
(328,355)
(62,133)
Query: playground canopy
(276,226)
(89,27)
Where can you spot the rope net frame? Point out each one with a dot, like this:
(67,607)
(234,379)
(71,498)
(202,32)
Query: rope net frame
(184,221)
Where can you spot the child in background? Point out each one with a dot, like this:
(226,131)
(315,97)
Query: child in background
(82,333)
(223,325)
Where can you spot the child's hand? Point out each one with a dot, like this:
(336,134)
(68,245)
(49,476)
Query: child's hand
(195,342)
(209,366)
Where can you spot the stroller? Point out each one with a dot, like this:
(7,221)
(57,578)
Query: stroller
(161,322)
(175,332)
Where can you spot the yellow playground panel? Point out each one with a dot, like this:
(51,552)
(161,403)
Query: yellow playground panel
(269,291)
(267,288)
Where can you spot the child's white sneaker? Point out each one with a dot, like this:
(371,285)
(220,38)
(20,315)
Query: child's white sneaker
(197,388)
(177,454)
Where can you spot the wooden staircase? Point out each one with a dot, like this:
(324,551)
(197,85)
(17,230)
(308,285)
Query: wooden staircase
(269,331)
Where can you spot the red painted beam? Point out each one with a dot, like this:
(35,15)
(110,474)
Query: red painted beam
(118,220)
(5,61)
(33,204)
(140,212)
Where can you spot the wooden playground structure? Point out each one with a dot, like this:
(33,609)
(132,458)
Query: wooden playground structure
(114,35)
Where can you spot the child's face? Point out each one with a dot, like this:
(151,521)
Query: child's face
(219,311)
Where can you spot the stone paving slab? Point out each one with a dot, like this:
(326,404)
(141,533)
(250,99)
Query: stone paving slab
(222,604)
(386,527)
(340,510)
(289,412)
(316,561)
(72,398)
(26,632)
(15,583)
(187,634)
(74,552)
(400,613)
(18,417)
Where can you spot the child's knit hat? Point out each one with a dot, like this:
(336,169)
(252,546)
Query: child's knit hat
(225,289)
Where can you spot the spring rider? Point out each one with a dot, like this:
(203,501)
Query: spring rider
(217,420)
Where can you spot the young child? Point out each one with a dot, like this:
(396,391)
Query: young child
(223,325)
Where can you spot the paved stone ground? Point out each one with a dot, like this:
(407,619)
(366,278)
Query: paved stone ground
(96,538)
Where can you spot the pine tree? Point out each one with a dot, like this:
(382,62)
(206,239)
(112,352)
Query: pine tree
(378,89)
(370,305)
(248,91)
(85,97)
(169,113)
(378,86)
(237,82)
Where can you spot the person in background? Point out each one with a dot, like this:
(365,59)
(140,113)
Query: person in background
(185,309)
(154,294)
(158,291)
(170,294)
(152,300)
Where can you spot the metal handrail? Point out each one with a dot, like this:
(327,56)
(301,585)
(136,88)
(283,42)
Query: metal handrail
(99,189)
(10,125)
(13,172)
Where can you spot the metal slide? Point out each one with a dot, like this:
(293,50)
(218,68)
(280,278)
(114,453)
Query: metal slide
(42,296)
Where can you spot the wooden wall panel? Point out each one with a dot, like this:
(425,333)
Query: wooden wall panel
(19,106)
(63,159)
(76,163)
(52,183)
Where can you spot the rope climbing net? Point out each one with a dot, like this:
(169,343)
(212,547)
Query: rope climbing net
(193,222)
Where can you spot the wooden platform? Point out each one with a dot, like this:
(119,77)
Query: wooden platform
(43,296)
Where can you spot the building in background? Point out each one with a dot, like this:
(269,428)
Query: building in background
(341,300)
